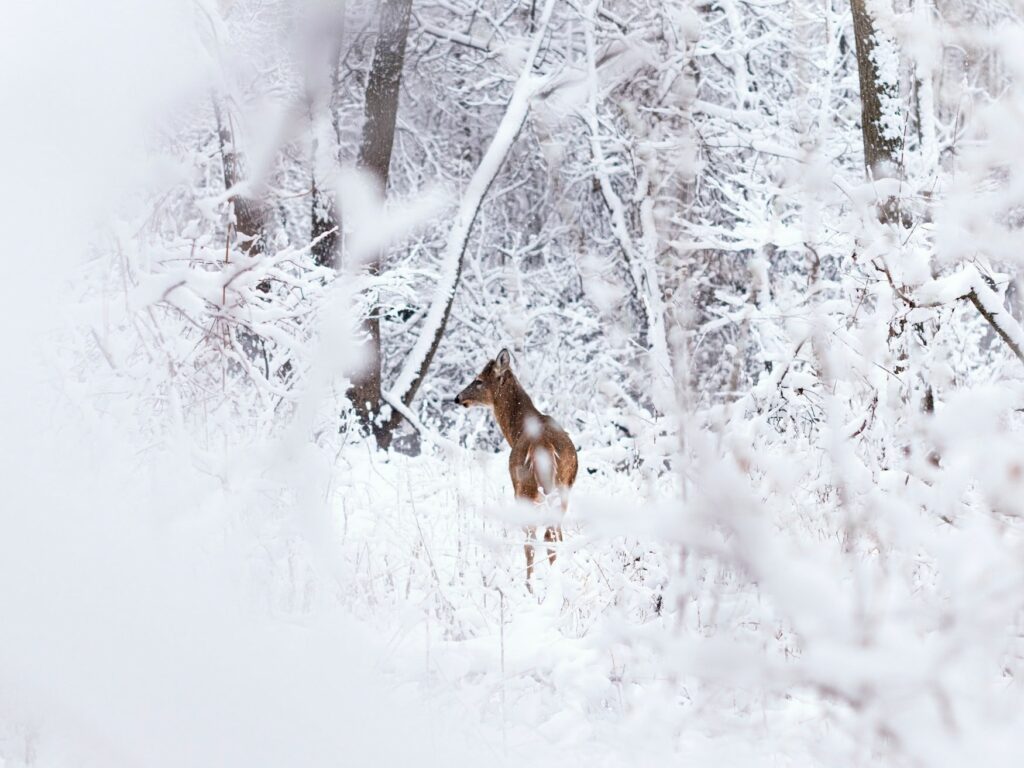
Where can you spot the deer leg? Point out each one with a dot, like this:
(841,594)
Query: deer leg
(564,499)
(550,536)
(531,534)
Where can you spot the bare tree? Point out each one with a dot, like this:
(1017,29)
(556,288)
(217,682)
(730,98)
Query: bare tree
(323,230)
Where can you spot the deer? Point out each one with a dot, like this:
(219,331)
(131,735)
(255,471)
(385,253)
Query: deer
(543,460)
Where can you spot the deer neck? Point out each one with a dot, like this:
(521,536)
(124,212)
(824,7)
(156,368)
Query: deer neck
(512,407)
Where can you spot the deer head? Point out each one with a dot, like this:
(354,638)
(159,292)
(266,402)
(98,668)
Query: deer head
(482,389)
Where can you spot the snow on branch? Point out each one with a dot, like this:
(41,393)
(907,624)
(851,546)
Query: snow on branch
(454,37)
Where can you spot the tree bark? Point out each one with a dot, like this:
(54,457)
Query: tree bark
(879,100)
(249,222)
(381,109)
(250,215)
(323,212)
(324,228)
(883,142)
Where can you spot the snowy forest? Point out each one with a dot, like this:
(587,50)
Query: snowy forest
(759,261)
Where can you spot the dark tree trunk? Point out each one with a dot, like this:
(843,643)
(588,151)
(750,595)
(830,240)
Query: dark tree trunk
(250,214)
(382,89)
(249,222)
(883,145)
(324,228)
(882,149)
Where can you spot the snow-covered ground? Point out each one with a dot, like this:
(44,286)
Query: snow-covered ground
(773,641)
(282,606)
(578,672)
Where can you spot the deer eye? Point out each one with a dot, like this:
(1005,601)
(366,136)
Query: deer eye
(478,383)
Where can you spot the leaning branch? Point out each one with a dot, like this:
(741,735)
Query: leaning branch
(1010,332)
(970,284)
(418,361)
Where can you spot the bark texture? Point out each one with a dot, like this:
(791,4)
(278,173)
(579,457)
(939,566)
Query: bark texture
(882,151)
(883,148)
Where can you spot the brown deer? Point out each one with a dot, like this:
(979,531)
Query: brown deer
(543,458)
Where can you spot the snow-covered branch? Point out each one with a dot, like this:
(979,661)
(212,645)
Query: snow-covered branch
(969,283)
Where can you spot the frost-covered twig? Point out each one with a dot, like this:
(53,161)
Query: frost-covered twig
(991,309)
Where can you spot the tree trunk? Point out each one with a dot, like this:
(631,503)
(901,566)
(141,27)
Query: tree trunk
(881,127)
(248,221)
(381,109)
(324,228)
(250,215)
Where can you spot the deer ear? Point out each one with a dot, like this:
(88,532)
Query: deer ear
(502,361)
